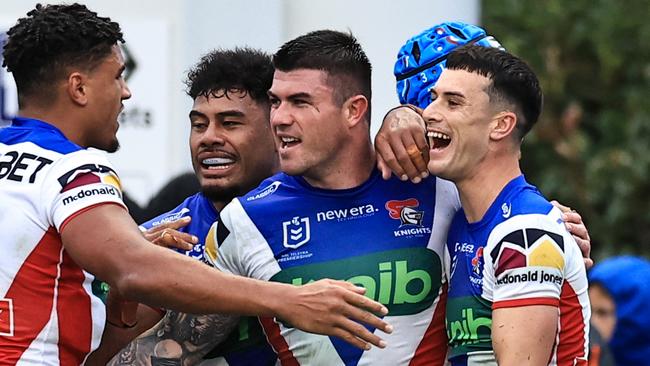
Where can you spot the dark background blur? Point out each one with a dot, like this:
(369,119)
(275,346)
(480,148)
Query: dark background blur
(591,147)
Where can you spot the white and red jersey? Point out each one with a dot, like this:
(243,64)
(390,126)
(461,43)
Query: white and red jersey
(518,254)
(48,314)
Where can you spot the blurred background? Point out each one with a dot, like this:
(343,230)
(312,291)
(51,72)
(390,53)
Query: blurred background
(589,151)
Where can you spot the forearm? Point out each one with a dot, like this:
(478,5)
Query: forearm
(105,241)
(204,289)
(184,338)
(115,338)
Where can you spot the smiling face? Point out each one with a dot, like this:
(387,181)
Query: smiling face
(309,126)
(106,90)
(458,124)
(231,144)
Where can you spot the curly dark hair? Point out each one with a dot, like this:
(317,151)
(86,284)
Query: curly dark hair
(42,46)
(225,71)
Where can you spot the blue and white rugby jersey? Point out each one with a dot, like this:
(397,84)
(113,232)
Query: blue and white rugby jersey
(246,345)
(518,254)
(48,313)
(387,236)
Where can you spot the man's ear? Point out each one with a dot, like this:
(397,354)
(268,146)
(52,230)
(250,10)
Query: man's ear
(504,124)
(355,109)
(77,88)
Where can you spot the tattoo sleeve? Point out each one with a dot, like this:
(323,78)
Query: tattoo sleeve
(178,339)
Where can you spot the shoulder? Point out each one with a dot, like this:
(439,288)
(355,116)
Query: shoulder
(264,192)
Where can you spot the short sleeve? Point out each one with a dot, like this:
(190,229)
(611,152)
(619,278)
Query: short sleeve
(525,261)
(235,245)
(78,181)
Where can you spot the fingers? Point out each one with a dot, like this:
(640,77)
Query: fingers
(170,238)
(358,335)
(387,155)
(418,153)
(562,207)
(401,142)
(357,299)
(383,168)
(176,224)
(167,235)
(575,225)
(357,315)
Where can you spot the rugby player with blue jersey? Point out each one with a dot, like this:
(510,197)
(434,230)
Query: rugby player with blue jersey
(331,215)
(515,269)
(232,151)
(420,63)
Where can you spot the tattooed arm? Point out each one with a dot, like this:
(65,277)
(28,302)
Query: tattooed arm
(178,339)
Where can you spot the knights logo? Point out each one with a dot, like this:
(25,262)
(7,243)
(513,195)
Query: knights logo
(296,232)
(477,262)
(406,211)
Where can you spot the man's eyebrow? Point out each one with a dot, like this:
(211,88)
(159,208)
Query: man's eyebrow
(222,114)
(231,113)
(195,113)
(454,94)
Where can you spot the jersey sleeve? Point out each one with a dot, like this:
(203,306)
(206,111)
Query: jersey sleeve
(235,245)
(77,182)
(526,260)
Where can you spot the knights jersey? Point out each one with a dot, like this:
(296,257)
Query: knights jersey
(48,314)
(247,344)
(387,236)
(519,254)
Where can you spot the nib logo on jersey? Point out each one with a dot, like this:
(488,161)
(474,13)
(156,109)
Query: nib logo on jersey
(529,255)
(87,181)
(406,211)
(405,280)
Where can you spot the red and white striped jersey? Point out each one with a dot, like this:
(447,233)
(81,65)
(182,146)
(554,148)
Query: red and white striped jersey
(48,314)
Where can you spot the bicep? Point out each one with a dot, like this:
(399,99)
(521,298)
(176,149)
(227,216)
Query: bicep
(524,335)
(100,238)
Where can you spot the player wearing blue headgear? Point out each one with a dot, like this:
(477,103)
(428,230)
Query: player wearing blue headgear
(420,63)
(422,58)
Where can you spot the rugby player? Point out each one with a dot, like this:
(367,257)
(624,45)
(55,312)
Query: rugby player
(63,220)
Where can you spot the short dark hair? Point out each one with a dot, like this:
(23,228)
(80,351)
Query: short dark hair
(337,53)
(513,81)
(52,38)
(240,70)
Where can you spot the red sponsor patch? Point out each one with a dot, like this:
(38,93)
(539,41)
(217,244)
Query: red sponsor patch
(82,180)
(6,317)
(395,207)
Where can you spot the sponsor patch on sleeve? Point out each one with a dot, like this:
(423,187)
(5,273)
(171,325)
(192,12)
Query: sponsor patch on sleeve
(526,248)
(89,174)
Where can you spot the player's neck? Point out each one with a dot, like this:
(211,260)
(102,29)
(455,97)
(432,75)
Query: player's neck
(351,168)
(478,191)
(57,118)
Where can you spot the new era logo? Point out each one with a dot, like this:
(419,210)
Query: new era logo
(6,317)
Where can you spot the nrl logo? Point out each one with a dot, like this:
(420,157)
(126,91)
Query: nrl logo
(296,232)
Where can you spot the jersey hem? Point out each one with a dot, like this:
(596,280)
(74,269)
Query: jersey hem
(526,302)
